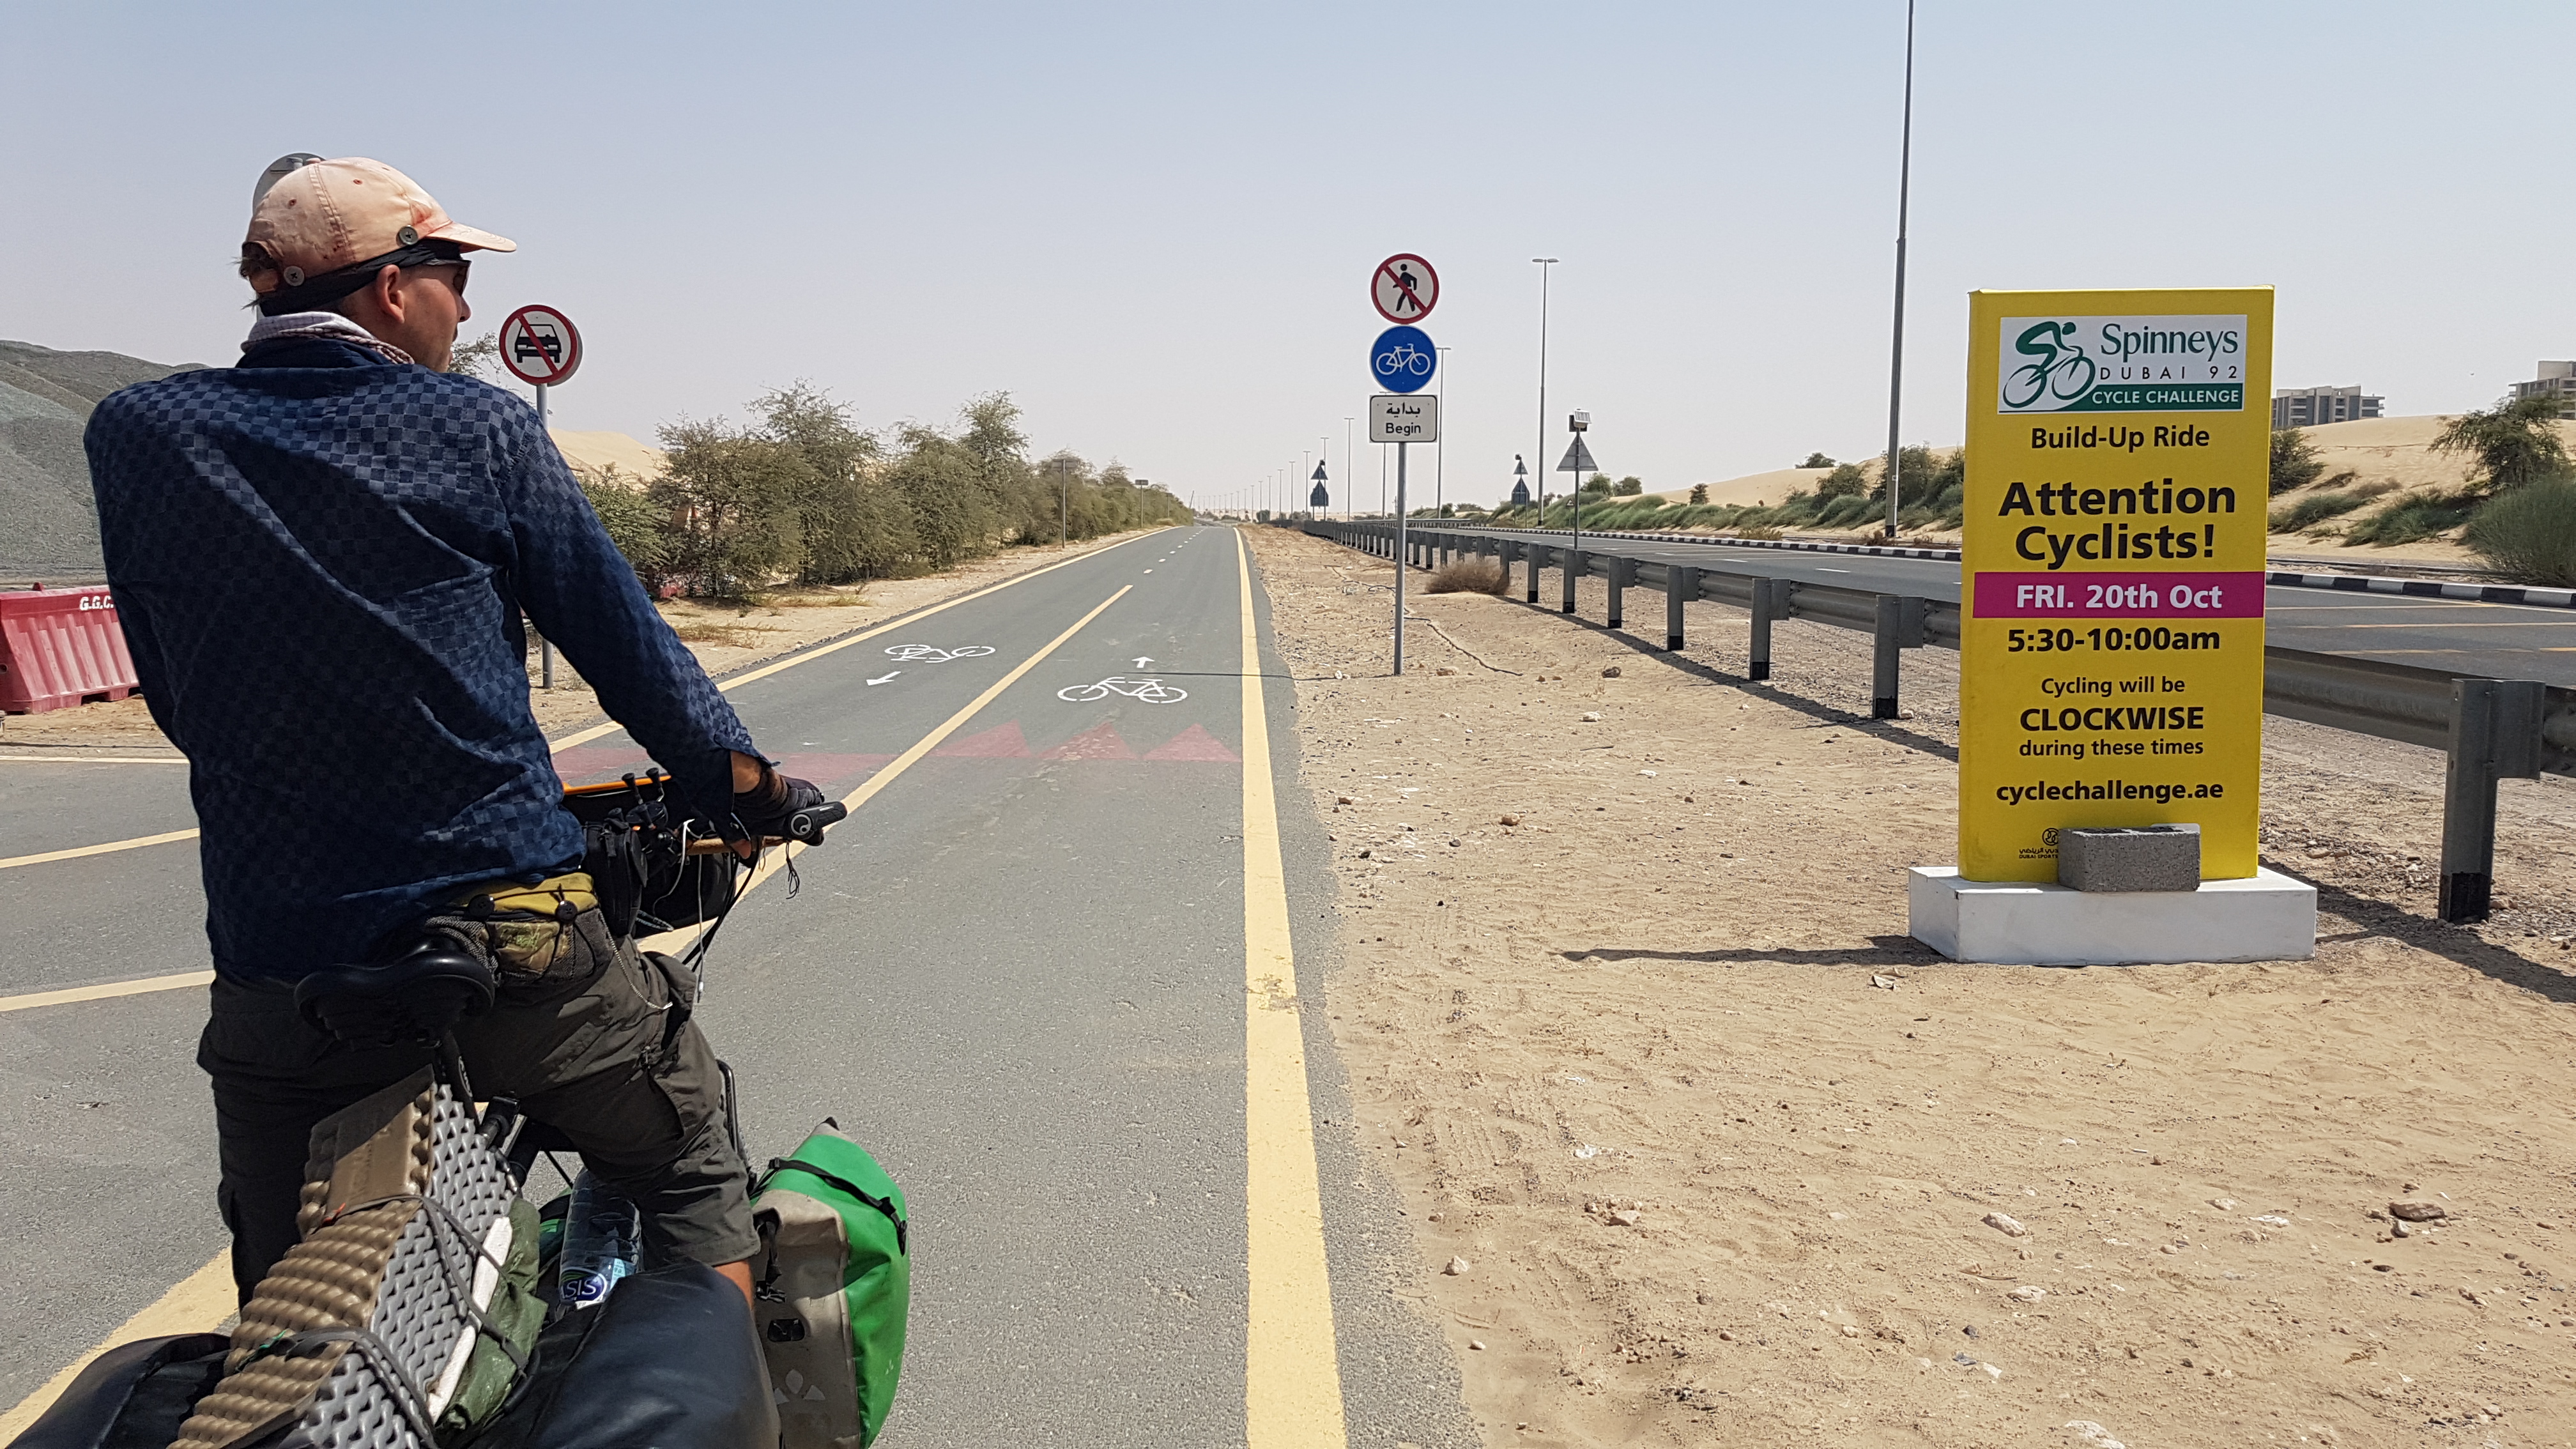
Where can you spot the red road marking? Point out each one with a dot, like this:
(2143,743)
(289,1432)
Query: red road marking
(828,770)
(1100,742)
(1001,742)
(1194,743)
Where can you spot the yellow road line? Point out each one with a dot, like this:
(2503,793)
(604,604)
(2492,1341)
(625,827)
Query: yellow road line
(76,852)
(202,1300)
(207,1295)
(583,737)
(140,986)
(774,861)
(8,759)
(1292,1392)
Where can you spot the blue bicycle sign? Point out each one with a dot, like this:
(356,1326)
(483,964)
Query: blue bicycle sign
(1403,359)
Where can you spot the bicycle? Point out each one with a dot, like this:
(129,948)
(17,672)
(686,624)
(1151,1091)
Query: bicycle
(1149,691)
(933,654)
(431,1289)
(1402,358)
(2060,355)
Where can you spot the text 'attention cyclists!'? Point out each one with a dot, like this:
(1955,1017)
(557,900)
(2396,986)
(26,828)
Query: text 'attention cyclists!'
(2111,606)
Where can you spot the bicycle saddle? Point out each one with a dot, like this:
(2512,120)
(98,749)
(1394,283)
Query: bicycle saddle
(413,999)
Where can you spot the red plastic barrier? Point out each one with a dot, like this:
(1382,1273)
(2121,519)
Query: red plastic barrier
(61,647)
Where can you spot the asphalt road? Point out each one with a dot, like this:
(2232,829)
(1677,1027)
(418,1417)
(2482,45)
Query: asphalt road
(2506,641)
(1018,974)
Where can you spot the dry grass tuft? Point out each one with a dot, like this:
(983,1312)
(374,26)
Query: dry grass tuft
(1469,576)
(730,636)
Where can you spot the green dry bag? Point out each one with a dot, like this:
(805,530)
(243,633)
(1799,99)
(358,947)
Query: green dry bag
(834,1287)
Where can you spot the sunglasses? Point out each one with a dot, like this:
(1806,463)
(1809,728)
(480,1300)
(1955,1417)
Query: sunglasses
(463,269)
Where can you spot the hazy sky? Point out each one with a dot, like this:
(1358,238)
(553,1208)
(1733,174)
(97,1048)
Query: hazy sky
(1154,225)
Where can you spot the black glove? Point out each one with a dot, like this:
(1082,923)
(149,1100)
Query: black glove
(764,808)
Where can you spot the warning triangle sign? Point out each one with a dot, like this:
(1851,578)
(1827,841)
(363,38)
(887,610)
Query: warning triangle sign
(1578,459)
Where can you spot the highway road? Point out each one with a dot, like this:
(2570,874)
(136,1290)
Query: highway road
(1061,970)
(2506,641)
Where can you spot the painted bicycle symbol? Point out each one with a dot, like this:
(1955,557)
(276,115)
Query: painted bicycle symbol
(1150,691)
(1404,358)
(933,654)
(2056,372)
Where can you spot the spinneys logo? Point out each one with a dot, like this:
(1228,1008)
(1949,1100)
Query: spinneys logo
(2122,365)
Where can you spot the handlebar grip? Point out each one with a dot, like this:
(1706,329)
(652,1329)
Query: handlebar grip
(807,825)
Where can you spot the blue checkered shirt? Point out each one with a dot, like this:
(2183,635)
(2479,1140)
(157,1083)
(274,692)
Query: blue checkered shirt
(320,559)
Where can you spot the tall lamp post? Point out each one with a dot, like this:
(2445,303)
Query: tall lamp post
(1440,457)
(1350,473)
(1896,348)
(1543,264)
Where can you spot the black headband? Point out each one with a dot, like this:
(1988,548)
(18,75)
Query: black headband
(314,294)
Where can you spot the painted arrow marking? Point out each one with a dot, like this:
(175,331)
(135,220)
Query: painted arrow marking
(889,675)
(1144,659)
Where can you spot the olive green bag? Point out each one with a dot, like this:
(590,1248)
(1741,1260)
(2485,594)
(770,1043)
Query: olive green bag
(834,1291)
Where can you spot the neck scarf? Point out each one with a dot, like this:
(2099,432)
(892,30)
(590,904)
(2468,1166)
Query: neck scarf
(329,326)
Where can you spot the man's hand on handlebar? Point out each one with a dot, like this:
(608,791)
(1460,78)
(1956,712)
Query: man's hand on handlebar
(770,805)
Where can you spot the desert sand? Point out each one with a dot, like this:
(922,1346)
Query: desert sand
(597,452)
(1633,1024)
(1753,488)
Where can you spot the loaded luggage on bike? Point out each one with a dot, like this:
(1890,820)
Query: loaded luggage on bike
(431,1302)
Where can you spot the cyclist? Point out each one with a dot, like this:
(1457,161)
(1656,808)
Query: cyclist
(320,557)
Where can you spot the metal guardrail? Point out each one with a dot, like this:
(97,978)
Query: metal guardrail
(2488,729)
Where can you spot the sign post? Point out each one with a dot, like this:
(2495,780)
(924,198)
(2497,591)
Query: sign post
(541,347)
(2111,618)
(1404,289)
(1402,419)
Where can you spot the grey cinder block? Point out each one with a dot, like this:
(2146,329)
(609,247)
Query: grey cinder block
(2130,858)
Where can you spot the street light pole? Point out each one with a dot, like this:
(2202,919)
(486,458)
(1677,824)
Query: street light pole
(1543,264)
(1063,504)
(1896,348)
(1440,463)
(1350,476)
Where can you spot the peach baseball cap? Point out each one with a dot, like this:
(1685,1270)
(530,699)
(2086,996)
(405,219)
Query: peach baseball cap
(326,216)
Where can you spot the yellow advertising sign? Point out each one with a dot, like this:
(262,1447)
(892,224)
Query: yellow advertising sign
(2111,664)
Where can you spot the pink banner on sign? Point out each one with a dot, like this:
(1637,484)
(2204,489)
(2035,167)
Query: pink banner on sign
(2119,596)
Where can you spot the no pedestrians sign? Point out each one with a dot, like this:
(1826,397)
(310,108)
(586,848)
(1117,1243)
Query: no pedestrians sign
(1404,288)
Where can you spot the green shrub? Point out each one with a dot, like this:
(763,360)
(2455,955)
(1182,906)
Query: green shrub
(635,523)
(2411,519)
(2314,509)
(2295,463)
(2529,535)
(1846,481)
(2513,443)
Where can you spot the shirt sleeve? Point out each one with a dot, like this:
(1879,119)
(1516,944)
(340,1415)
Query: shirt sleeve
(582,594)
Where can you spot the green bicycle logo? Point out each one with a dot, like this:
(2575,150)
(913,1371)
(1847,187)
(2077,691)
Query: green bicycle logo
(2059,368)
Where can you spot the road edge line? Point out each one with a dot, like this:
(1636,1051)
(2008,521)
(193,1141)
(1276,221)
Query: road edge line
(110,848)
(771,864)
(1292,1396)
(834,646)
(139,986)
(194,1305)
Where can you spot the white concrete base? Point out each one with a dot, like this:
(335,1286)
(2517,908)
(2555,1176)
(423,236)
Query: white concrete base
(2268,917)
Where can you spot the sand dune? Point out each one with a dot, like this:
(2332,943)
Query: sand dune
(592,452)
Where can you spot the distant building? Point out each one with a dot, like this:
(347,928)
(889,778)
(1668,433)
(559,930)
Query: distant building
(2557,379)
(2313,407)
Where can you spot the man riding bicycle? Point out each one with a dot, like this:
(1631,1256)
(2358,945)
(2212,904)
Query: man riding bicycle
(320,557)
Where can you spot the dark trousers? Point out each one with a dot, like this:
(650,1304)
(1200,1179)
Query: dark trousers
(588,1047)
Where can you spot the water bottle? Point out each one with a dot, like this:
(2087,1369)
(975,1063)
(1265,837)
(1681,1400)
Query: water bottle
(601,1241)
